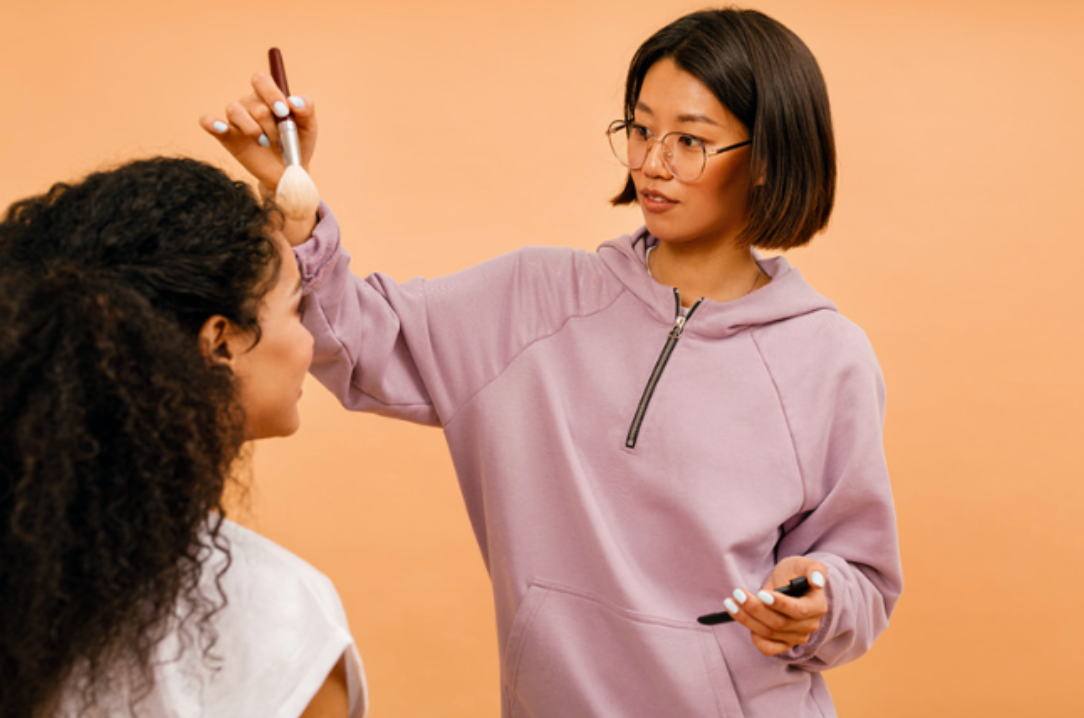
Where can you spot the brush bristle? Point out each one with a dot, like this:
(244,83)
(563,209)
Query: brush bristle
(297,195)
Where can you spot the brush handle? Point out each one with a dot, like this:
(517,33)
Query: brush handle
(797,587)
(288,139)
(278,70)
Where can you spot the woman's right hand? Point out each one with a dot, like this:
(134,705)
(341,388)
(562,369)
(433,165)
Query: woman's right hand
(250,130)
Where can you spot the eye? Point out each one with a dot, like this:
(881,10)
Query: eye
(689,142)
(638,131)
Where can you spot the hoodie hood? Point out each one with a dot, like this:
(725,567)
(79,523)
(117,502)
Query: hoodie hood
(788,295)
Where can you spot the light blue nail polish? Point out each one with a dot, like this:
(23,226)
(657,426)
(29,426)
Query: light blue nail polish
(264,142)
(740,595)
(297,102)
(220,126)
(817,579)
(280,108)
(766,597)
(730,605)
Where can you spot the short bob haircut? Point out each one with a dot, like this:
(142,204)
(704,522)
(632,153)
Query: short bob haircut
(767,77)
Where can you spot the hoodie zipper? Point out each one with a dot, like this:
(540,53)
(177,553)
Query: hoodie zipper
(680,321)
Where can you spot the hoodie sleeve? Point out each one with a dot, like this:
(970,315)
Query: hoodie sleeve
(833,396)
(360,352)
(421,349)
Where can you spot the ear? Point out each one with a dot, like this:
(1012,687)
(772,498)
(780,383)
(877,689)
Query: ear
(760,175)
(214,340)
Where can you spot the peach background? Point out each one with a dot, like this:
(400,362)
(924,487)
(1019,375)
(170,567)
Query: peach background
(455,131)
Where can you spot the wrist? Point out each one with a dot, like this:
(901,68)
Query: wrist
(298,231)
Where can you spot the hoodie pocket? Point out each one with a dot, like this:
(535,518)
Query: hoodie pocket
(572,654)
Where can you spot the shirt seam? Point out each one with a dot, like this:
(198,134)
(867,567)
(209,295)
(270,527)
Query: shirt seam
(528,345)
(806,652)
(786,418)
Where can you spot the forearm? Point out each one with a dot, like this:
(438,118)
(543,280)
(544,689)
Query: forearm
(361,353)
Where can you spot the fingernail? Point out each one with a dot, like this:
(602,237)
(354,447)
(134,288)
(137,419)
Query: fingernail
(280,108)
(297,102)
(740,595)
(817,579)
(220,126)
(766,597)
(264,142)
(730,606)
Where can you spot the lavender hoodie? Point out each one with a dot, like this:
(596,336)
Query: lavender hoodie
(611,516)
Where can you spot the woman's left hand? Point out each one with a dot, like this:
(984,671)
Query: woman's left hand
(782,622)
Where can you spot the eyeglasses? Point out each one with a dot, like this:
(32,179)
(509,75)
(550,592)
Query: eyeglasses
(684,155)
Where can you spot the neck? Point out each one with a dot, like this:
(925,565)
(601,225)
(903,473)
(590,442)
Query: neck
(721,273)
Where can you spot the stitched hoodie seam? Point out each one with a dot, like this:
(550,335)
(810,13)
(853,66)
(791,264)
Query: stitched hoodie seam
(806,652)
(455,414)
(786,417)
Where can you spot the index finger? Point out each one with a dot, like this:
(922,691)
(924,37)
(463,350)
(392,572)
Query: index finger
(811,605)
(269,92)
(763,619)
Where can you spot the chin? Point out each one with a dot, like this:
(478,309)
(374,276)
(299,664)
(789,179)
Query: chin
(278,430)
(662,227)
(654,228)
(663,233)
(288,430)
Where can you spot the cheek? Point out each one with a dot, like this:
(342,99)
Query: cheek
(723,197)
(733,181)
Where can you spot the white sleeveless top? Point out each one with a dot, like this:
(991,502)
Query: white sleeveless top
(279,636)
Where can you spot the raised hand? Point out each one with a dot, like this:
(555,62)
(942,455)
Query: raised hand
(249,131)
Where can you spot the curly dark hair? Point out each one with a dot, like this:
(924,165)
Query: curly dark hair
(117,435)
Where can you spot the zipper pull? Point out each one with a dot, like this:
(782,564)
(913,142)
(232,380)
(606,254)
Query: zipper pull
(679,326)
(679,318)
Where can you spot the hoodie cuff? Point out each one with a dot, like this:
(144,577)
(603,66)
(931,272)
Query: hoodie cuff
(827,628)
(318,252)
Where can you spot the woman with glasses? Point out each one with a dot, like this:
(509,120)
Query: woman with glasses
(665,429)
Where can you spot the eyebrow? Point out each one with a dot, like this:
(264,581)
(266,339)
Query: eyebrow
(686,117)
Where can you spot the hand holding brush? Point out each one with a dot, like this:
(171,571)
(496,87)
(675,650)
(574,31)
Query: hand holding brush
(296,195)
(272,134)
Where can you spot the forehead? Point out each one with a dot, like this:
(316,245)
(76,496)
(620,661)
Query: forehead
(283,276)
(286,254)
(669,93)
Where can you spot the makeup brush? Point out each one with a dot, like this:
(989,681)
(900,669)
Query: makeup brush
(296,195)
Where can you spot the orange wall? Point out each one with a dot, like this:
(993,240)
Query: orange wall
(455,131)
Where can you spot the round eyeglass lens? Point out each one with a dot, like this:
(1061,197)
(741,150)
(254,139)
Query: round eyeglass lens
(683,155)
(618,134)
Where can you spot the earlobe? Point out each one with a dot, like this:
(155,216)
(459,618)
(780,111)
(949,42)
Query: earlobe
(760,176)
(214,340)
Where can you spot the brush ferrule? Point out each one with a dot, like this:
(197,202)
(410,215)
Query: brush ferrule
(289,143)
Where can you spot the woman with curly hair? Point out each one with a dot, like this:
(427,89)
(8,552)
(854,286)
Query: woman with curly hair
(149,327)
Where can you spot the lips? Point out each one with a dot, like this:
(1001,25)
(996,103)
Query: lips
(655,201)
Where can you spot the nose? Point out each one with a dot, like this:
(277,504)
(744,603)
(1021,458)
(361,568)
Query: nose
(655,164)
